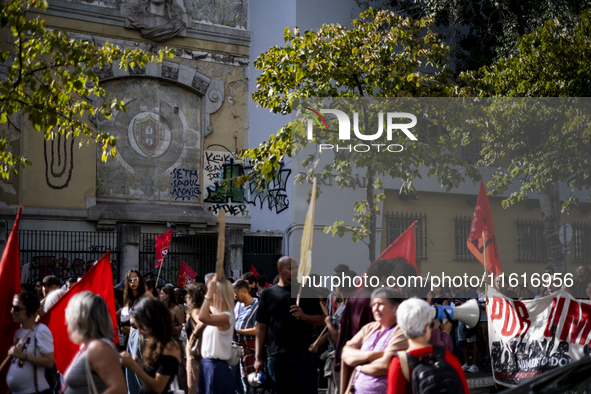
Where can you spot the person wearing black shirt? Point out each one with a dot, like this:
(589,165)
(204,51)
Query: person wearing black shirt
(162,355)
(288,331)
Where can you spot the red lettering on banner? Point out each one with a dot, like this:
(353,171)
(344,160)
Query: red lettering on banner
(509,315)
(577,321)
(497,309)
(557,306)
(522,315)
(586,312)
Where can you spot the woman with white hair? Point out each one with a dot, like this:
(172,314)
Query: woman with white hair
(90,325)
(415,318)
(217,311)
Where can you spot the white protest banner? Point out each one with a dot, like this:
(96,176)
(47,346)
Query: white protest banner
(530,337)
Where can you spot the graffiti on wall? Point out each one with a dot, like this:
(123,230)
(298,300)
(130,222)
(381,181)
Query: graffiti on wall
(58,166)
(274,195)
(185,184)
(222,193)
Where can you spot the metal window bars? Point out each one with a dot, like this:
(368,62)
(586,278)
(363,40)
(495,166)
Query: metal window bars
(65,253)
(462,226)
(581,242)
(397,223)
(530,240)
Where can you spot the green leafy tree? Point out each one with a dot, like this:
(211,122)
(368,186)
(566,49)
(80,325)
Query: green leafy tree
(382,55)
(547,141)
(49,80)
(482,31)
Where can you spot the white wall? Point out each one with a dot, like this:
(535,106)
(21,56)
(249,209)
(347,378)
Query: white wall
(267,20)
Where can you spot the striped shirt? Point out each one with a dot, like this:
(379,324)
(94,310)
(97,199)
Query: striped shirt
(245,319)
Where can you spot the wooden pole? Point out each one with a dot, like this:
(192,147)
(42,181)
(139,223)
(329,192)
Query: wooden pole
(219,263)
(17,345)
(485,269)
(159,270)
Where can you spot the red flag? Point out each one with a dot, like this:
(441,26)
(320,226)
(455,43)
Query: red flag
(10,285)
(482,225)
(99,280)
(256,273)
(403,246)
(162,245)
(186,275)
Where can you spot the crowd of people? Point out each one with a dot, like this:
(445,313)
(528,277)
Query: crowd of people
(224,336)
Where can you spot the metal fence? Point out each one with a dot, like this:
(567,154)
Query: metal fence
(530,240)
(198,251)
(397,223)
(582,242)
(65,253)
(462,232)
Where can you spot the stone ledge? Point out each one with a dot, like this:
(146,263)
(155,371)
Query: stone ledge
(112,17)
(151,213)
(44,213)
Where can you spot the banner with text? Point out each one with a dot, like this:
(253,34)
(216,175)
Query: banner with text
(528,338)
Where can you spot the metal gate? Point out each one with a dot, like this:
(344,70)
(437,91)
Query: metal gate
(198,251)
(262,252)
(65,253)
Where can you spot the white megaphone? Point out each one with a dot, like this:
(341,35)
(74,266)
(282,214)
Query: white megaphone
(469,313)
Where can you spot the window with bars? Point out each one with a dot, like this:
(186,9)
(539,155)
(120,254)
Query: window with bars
(397,223)
(530,240)
(471,152)
(461,234)
(581,242)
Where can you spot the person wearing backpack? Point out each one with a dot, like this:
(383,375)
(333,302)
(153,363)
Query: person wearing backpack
(423,369)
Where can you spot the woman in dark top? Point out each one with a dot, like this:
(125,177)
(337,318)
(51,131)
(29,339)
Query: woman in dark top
(195,296)
(162,355)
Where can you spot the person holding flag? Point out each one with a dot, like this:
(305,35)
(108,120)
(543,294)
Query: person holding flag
(288,331)
(32,352)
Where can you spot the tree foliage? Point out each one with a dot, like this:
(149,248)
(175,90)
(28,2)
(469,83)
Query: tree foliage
(553,146)
(482,31)
(383,55)
(50,80)
(547,140)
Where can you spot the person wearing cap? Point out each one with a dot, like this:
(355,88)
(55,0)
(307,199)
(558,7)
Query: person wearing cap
(51,290)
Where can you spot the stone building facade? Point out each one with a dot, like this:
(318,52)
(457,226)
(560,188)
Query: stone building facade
(186,119)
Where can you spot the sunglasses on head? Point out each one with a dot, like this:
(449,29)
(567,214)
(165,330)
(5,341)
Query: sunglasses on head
(133,279)
(17,308)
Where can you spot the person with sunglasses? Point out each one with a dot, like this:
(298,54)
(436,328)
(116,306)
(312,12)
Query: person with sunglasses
(134,291)
(32,352)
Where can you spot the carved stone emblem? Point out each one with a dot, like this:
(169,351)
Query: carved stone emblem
(157,20)
(149,136)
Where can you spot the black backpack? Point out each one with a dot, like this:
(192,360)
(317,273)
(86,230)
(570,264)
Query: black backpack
(431,374)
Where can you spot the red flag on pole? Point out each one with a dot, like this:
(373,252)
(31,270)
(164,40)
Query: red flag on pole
(481,242)
(403,246)
(10,285)
(162,245)
(186,275)
(99,280)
